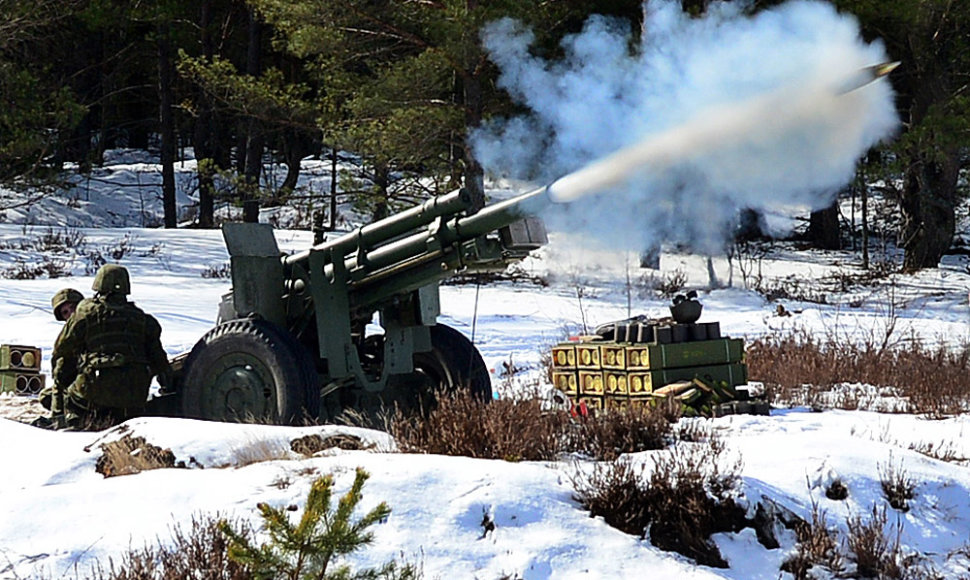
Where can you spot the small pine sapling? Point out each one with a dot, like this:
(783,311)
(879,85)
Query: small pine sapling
(308,549)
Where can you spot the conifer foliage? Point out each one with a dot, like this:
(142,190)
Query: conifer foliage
(312,547)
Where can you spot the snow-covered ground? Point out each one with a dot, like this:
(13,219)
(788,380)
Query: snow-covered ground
(58,516)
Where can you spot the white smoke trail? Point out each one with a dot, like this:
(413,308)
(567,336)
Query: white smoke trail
(726,112)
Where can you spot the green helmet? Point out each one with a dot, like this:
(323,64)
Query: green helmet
(111,278)
(62,297)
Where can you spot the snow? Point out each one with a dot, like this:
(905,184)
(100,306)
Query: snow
(58,516)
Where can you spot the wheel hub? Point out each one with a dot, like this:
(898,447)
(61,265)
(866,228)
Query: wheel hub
(239,387)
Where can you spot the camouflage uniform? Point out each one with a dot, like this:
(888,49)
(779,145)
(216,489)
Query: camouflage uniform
(107,355)
(51,397)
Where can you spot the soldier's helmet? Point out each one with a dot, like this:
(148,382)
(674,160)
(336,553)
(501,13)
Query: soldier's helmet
(112,278)
(62,297)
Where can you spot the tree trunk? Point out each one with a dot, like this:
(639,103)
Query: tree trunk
(823,228)
(166,79)
(929,196)
(204,134)
(254,141)
(928,207)
(333,188)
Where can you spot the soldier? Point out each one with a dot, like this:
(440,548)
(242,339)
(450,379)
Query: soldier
(107,354)
(63,304)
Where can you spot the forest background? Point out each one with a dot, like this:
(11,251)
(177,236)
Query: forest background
(397,88)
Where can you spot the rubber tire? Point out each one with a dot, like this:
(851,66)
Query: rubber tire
(454,363)
(261,368)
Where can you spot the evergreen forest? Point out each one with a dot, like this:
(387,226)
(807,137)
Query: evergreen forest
(398,85)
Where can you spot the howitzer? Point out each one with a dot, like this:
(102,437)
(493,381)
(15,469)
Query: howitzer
(292,336)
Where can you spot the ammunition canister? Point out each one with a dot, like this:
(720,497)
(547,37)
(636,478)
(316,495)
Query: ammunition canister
(588,356)
(590,383)
(613,356)
(616,383)
(566,382)
(564,356)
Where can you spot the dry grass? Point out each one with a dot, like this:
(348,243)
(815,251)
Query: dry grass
(875,554)
(897,485)
(527,429)
(200,553)
(607,435)
(258,450)
(130,455)
(801,367)
(818,545)
(687,496)
(513,430)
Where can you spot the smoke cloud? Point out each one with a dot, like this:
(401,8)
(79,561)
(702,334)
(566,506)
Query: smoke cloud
(714,114)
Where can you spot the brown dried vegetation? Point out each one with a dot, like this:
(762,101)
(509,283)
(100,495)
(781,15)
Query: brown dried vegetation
(798,368)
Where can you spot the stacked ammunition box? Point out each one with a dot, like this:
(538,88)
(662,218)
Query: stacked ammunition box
(642,358)
(20,369)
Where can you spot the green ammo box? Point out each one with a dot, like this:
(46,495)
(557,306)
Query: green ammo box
(21,383)
(684,354)
(19,358)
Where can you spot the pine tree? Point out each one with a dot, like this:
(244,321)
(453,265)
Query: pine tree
(312,548)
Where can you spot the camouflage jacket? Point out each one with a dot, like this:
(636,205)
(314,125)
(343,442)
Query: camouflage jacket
(108,353)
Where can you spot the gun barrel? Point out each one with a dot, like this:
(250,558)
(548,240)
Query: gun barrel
(391,227)
(488,219)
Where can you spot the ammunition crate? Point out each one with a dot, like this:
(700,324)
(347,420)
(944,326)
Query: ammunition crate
(19,358)
(21,383)
(616,403)
(613,356)
(588,356)
(684,354)
(566,381)
(564,356)
(642,384)
(616,383)
(591,383)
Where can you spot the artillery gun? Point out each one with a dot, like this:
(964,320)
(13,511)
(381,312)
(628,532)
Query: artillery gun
(292,338)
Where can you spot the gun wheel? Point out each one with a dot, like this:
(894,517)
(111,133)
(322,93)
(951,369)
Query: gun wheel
(248,370)
(452,365)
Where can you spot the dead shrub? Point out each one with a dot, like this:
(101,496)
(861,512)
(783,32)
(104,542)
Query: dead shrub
(897,486)
(875,555)
(200,553)
(51,268)
(130,455)
(799,368)
(217,272)
(463,424)
(527,429)
(817,546)
(607,435)
(688,495)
